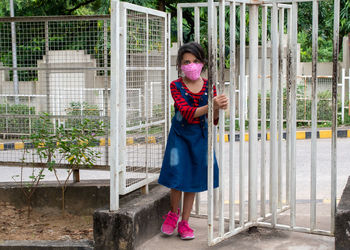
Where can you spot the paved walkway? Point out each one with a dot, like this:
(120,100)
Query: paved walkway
(261,238)
(256,238)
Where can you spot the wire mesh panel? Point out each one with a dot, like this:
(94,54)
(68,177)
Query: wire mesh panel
(54,91)
(143,77)
(324,99)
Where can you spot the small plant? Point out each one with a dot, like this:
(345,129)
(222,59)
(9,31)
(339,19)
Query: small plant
(75,145)
(15,125)
(45,146)
(29,188)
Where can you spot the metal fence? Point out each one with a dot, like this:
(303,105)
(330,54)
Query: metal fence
(56,68)
(55,87)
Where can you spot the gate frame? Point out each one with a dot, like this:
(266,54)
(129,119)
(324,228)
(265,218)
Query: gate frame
(117,157)
(276,109)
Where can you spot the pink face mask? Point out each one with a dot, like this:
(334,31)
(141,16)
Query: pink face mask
(192,71)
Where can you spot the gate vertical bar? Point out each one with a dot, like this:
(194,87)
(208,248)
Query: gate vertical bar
(314,115)
(273,114)
(168,75)
(253,110)
(166,78)
(293,77)
(221,114)
(232,113)
(215,46)
(197,39)
(122,96)
(263,113)
(280,104)
(105,92)
(288,109)
(342,95)
(196,25)
(334,111)
(211,80)
(242,162)
(179,44)
(179,27)
(114,155)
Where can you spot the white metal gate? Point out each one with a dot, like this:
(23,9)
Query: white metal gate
(139,96)
(281,190)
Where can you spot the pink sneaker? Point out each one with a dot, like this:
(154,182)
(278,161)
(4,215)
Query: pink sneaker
(184,230)
(170,223)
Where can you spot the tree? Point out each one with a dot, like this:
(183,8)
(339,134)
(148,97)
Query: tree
(92,7)
(57,7)
(326,10)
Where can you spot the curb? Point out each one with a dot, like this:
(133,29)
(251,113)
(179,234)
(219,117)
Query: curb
(300,135)
(135,222)
(46,244)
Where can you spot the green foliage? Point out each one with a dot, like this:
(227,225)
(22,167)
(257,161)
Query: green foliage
(29,188)
(66,35)
(77,111)
(74,146)
(43,139)
(57,7)
(13,124)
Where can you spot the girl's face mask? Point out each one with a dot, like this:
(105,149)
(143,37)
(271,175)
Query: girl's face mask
(192,71)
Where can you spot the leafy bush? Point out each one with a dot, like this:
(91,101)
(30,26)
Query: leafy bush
(77,112)
(74,146)
(15,124)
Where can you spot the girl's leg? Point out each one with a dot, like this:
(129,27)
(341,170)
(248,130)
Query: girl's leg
(187,207)
(175,196)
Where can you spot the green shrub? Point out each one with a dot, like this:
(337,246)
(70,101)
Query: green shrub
(78,111)
(13,124)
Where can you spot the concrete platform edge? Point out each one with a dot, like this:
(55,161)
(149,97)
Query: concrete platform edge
(135,222)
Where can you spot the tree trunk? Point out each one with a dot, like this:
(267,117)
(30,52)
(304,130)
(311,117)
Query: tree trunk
(161,5)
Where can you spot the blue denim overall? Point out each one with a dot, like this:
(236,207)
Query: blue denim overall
(185,163)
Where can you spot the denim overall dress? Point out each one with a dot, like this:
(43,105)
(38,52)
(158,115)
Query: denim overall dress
(185,162)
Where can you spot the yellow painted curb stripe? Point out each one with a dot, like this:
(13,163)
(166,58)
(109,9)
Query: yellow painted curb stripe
(325,133)
(228,202)
(268,136)
(2,146)
(102,141)
(226,138)
(328,201)
(19,145)
(246,137)
(300,135)
(151,139)
(129,141)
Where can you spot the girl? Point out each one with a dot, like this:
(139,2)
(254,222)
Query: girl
(185,167)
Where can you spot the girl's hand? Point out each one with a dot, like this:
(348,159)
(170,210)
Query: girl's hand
(220,102)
